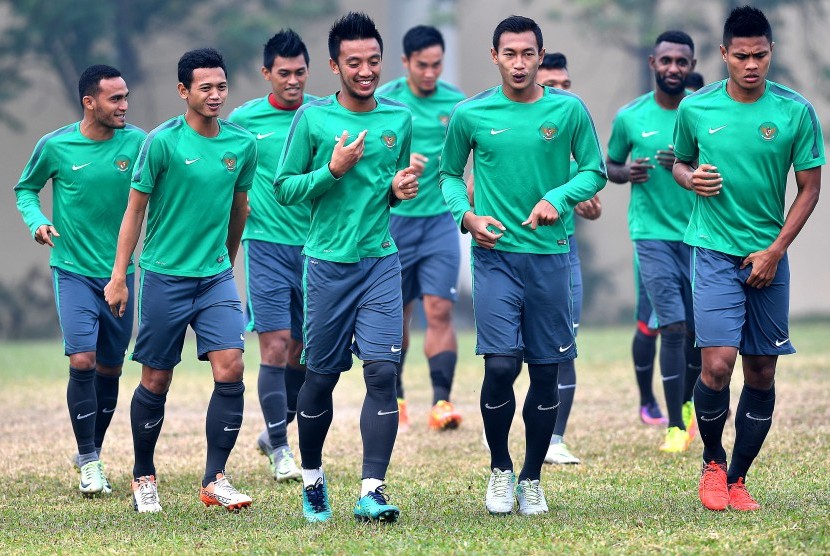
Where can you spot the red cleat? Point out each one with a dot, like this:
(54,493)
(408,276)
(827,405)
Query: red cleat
(712,487)
(740,499)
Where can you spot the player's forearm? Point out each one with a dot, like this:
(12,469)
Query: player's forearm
(455,194)
(582,187)
(128,236)
(801,209)
(617,173)
(294,188)
(28,203)
(236,224)
(682,174)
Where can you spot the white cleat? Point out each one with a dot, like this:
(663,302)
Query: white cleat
(286,468)
(221,493)
(559,454)
(500,497)
(145,495)
(531,498)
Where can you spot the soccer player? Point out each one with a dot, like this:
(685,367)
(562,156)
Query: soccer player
(522,137)
(643,352)
(745,133)
(348,153)
(657,216)
(553,72)
(273,241)
(89,163)
(194,171)
(423,228)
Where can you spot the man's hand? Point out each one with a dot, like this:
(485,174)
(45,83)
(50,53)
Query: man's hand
(638,170)
(405,184)
(706,181)
(764,265)
(344,157)
(590,209)
(543,214)
(418,162)
(665,158)
(478,226)
(43,235)
(116,295)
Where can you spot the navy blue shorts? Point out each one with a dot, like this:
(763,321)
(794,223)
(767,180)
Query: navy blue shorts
(86,321)
(429,252)
(576,281)
(665,267)
(522,305)
(274,276)
(168,304)
(643,311)
(352,308)
(728,313)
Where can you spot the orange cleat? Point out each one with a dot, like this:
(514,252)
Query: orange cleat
(221,493)
(403,416)
(740,499)
(712,487)
(443,416)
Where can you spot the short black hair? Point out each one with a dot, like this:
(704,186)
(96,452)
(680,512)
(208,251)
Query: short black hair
(285,44)
(90,80)
(694,81)
(199,58)
(554,61)
(746,21)
(352,26)
(421,37)
(676,37)
(517,24)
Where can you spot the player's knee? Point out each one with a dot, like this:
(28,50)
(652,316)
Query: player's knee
(675,328)
(274,348)
(319,384)
(157,382)
(500,369)
(380,376)
(438,312)
(543,375)
(83,361)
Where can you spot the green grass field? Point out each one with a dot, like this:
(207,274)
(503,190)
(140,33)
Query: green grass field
(626,496)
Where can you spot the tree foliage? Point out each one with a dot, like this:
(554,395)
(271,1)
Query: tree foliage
(67,36)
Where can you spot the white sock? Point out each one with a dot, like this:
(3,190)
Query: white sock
(310,476)
(369,485)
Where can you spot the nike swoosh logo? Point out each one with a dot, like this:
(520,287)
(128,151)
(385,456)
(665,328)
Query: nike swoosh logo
(758,418)
(488,406)
(76,168)
(79,416)
(497,131)
(540,408)
(563,349)
(382,413)
(718,416)
(106,410)
(149,426)
(566,386)
(231,430)
(649,133)
(272,425)
(189,162)
(337,138)
(304,414)
(781,343)
(264,135)
(395,350)
(672,377)
(640,369)
(716,129)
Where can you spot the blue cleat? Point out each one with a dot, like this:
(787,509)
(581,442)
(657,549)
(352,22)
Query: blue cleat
(374,507)
(316,507)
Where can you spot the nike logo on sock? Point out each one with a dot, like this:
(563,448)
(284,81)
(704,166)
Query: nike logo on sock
(106,410)
(566,386)
(715,418)
(231,430)
(272,425)
(540,408)
(640,369)
(382,413)
(758,418)
(79,416)
(488,406)
(672,377)
(304,414)
(153,425)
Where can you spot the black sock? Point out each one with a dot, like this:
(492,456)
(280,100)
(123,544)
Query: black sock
(222,424)
(83,407)
(273,401)
(378,418)
(753,419)
(399,376)
(442,372)
(498,405)
(711,408)
(540,415)
(294,378)
(673,369)
(106,391)
(566,388)
(692,368)
(146,416)
(314,413)
(643,350)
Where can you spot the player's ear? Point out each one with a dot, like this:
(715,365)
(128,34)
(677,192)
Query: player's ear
(723,52)
(89,102)
(266,73)
(183,92)
(335,69)
(495,55)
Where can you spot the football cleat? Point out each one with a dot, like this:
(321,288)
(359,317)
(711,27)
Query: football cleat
(531,498)
(145,495)
(650,414)
(316,507)
(92,479)
(403,416)
(740,499)
(558,453)
(374,507)
(501,496)
(444,416)
(677,440)
(712,489)
(222,493)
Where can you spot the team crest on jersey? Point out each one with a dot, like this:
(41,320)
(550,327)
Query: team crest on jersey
(548,131)
(122,162)
(229,160)
(389,138)
(768,131)
(444,119)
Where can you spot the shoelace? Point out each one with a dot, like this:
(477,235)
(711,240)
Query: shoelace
(316,496)
(501,484)
(88,473)
(225,488)
(533,494)
(710,475)
(147,492)
(379,496)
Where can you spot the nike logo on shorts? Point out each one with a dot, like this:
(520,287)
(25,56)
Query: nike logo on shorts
(715,418)
(488,406)
(304,414)
(395,349)
(563,349)
(779,343)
